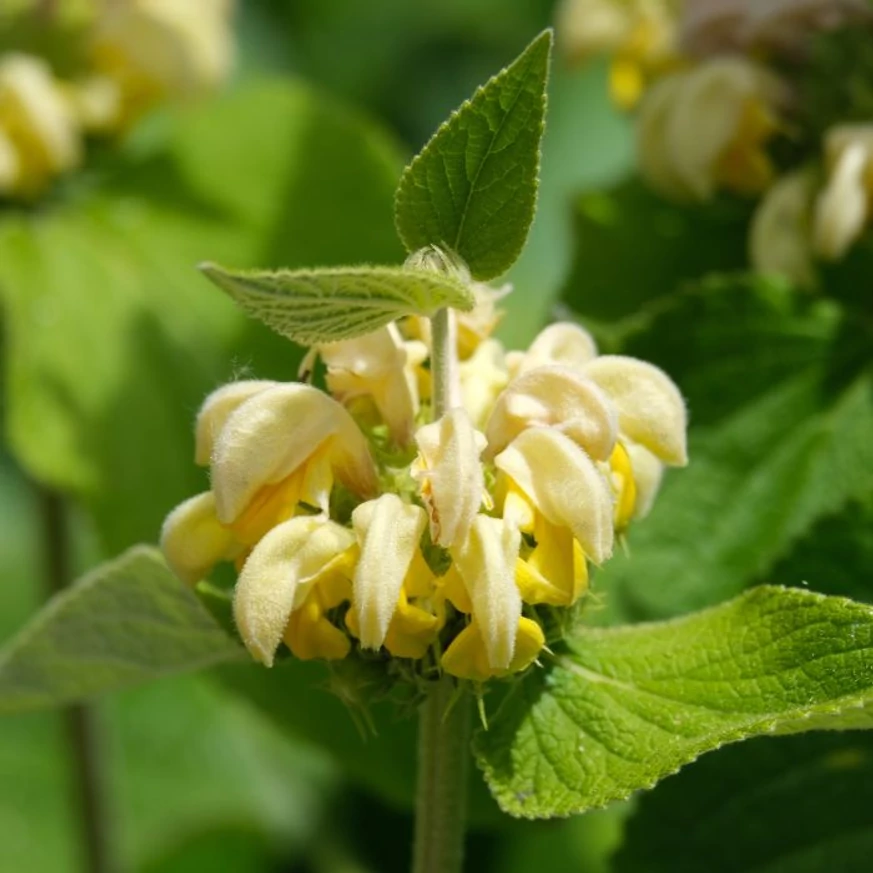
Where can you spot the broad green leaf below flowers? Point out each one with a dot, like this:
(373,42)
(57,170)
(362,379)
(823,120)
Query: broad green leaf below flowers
(790,805)
(473,187)
(622,708)
(128,621)
(326,305)
(780,396)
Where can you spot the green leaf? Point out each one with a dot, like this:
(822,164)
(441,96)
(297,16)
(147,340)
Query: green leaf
(774,454)
(633,247)
(317,306)
(625,707)
(111,337)
(588,145)
(473,187)
(792,805)
(128,621)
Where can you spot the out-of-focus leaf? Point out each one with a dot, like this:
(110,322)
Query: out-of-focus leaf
(128,621)
(331,304)
(112,339)
(780,449)
(633,247)
(579,843)
(835,557)
(218,761)
(473,187)
(384,763)
(627,706)
(791,805)
(587,146)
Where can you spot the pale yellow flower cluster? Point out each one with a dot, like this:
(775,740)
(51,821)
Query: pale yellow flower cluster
(708,120)
(139,52)
(355,522)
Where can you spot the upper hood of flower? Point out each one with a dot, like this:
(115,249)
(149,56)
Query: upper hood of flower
(273,433)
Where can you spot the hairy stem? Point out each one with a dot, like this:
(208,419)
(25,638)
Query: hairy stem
(80,727)
(444,362)
(441,798)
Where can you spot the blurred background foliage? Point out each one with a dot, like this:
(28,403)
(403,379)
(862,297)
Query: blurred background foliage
(110,340)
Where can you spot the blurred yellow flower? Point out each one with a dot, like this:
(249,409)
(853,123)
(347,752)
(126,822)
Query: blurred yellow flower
(39,135)
(842,209)
(638,35)
(708,129)
(155,49)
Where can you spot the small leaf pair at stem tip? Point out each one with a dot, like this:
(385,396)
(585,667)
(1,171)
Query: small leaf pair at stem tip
(470,193)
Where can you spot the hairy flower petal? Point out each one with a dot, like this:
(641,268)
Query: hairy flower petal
(272,434)
(554,396)
(650,408)
(564,484)
(486,563)
(389,532)
(278,575)
(452,481)
(560,343)
(194,540)
(217,408)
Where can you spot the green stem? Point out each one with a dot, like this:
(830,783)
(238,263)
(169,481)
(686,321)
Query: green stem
(441,799)
(444,362)
(80,724)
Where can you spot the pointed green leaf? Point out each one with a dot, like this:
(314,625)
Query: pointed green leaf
(128,621)
(317,306)
(473,187)
(628,706)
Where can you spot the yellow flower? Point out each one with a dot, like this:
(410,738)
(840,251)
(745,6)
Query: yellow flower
(154,49)
(389,532)
(707,129)
(380,366)
(39,136)
(559,343)
(450,475)
(780,239)
(483,376)
(485,565)
(272,448)
(640,36)
(842,210)
(558,397)
(575,448)
(281,447)
(294,575)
